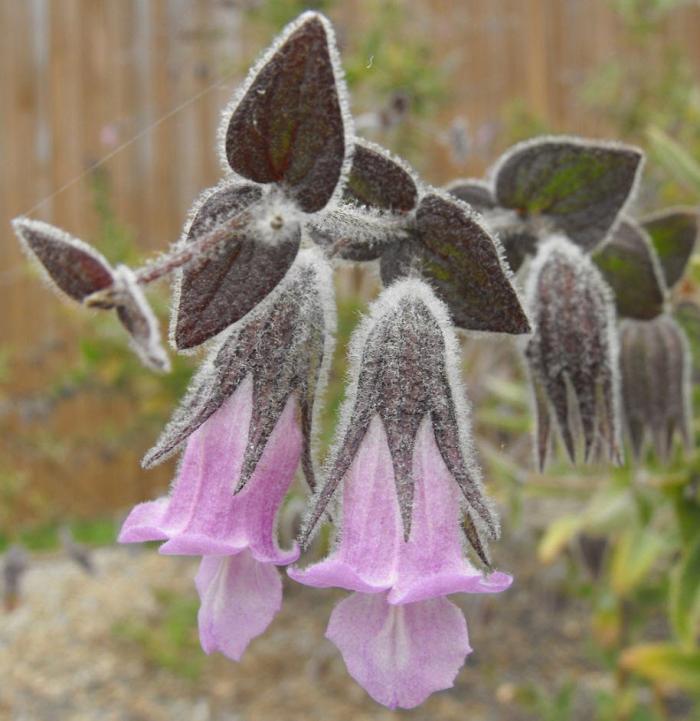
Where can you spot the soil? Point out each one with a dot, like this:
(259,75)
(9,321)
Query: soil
(113,647)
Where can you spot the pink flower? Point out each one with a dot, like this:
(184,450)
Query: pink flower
(400,654)
(408,476)
(247,425)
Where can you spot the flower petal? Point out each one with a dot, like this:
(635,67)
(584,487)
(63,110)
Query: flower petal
(240,596)
(366,556)
(432,561)
(145,523)
(400,654)
(221,523)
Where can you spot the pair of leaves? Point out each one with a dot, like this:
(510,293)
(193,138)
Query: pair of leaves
(84,275)
(566,185)
(286,131)
(640,261)
(629,264)
(434,237)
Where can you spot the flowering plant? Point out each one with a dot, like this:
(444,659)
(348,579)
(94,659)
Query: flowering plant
(253,283)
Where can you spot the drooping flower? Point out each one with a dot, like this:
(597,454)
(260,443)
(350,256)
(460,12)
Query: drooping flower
(406,465)
(655,369)
(572,355)
(247,423)
(643,263)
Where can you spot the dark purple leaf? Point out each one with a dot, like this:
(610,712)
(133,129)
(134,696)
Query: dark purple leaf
(474,192)
(518,243)
(580,186)
(631,269)
(136,316)
(76,268)
(282,346)
(219,289)
(288,127)
(673,233)
(378,181)
(460,260)
(517,239)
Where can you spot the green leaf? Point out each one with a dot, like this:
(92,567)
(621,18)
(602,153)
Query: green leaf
(665,664)
(668,153)
(605,510)
(580,186)
(630,267)
(673,234)
(685,595)
(557,536)
(634,554)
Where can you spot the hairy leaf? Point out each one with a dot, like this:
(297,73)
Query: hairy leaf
(460,260)
(476,193)
(580,186)
(282,345)
(136,316)
(220,288)
(629,265)
(378,181)
(673,233)
(288,126)
(76,268)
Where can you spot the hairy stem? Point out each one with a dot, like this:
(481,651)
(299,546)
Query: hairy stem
(181,254)
(185,253)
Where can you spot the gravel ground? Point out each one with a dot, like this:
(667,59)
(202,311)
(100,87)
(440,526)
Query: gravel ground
(110,647)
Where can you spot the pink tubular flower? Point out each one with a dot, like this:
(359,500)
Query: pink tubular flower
(247,424)
(405,463)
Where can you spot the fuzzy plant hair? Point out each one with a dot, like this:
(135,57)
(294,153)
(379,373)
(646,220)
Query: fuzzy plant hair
(252,275)
(408,337)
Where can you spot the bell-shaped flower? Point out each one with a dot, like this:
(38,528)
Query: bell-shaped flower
(247,424)
(655,370)
(572,355)
(406,465)
(644,264)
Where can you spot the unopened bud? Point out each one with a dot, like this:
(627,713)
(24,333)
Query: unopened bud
(573,352)
(655,370)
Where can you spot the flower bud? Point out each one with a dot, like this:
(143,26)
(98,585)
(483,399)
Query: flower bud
(572,355)
(655,374)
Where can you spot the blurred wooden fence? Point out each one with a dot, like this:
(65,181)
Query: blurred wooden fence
(137,85)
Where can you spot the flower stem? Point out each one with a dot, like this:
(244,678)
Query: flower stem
(180,254)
